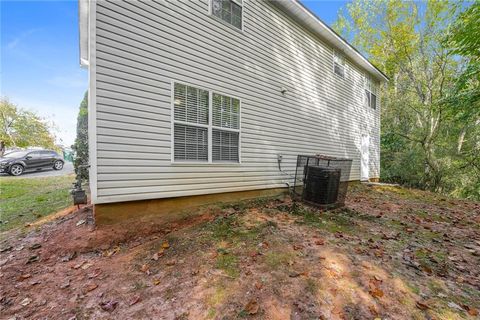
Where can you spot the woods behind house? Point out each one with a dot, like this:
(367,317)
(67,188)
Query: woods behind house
(431,111)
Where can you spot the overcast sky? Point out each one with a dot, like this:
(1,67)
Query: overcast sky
(39,61)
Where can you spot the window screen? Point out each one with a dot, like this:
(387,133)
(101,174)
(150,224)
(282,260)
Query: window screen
(224,145)
(191,109)
(370,93)
(338,65)
(191,104)
(226,111)
(229,11)
(190,143)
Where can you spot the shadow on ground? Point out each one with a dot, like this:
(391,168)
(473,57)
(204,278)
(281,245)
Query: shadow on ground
(391,253)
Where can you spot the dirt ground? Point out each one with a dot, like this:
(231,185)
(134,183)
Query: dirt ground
(391,253)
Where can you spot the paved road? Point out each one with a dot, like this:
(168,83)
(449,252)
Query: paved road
(67,169)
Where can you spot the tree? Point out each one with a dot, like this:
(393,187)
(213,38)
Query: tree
(464,99)
(407,41)
(22,128)
(81,142)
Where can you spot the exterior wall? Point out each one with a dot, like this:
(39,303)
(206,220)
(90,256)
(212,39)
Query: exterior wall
(141,47)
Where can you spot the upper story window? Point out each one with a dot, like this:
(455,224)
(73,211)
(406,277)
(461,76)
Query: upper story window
(338,64)
(229,11)
(206,126)
(370,93)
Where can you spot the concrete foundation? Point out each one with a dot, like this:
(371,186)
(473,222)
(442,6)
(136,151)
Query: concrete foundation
(171,209)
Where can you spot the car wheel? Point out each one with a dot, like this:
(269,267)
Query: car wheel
(58,165)
(16,170)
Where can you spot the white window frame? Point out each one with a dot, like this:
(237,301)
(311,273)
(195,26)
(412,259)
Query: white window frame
(369,86)
(343,64)
(238,2)
(209,126)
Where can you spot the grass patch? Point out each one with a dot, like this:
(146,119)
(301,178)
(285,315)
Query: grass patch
(23,200)
(277,259)
(342,220)
(229,264)
(231,228)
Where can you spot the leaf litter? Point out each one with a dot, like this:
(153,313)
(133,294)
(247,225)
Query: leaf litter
(390,253)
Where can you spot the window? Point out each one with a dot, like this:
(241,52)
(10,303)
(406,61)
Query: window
(229,11)
(194,131)
(338,65)
(190,109)
(226,125)
(370,93)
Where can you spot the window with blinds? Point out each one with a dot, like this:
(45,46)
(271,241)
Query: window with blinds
(229,11)
(190,136)
(194,131)
(226,123)
(224,146)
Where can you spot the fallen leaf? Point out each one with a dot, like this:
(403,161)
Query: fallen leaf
(422,305)
(24,276)
(112,252)
(155,257)
(377,278)
(156,282)
(69,257)
(473,312)
(171,263)
(134,300)
(80,222)
(108,305)
(376,292)
(251,307)
(26,302)
(165,245)
(86,266)
(453,305)
(91,287)
(373,310)
(258,285)
(297,247)
(145,269)
(32,259)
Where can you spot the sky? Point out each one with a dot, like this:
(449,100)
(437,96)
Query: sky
(39,58)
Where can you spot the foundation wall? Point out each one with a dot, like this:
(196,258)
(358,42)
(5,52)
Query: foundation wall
(171,209)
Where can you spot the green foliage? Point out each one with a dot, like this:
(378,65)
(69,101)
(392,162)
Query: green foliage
(22,128)
(430,110)
(81,142)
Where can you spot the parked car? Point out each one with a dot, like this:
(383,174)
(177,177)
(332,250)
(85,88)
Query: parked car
(17,162)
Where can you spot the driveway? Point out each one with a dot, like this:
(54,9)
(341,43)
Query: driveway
(67,169)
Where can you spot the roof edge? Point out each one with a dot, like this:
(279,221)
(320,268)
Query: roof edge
(83,9)
(309,19)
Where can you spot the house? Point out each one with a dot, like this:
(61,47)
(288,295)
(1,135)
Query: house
(204,97)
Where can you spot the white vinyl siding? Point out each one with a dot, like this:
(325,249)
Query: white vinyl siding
(143,47)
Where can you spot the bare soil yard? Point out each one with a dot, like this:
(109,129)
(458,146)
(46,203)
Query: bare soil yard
(391,253)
